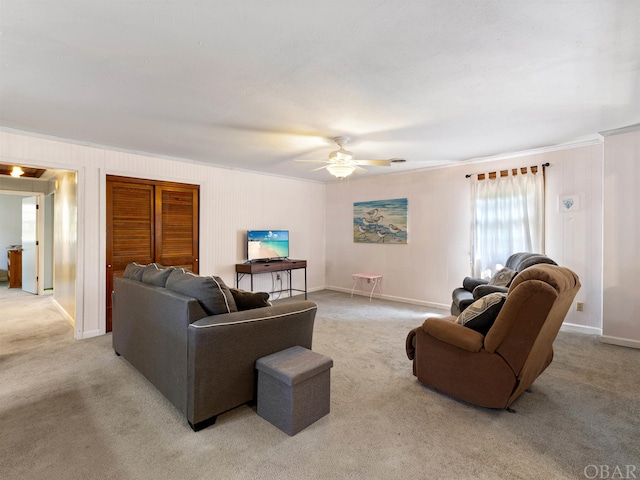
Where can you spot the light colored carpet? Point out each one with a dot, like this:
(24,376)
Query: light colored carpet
(74,410)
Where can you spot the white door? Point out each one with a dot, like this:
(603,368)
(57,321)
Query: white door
(29,245)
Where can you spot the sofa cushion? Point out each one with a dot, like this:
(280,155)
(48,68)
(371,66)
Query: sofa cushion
(481,314)
(502,277)
(484,290)
(212,293)
(470,283)
(156,274)
(250,300)
(134,271)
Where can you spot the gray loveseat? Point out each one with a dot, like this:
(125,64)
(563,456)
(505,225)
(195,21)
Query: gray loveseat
(187,336)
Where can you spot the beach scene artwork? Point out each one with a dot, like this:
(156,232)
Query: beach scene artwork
(380,221)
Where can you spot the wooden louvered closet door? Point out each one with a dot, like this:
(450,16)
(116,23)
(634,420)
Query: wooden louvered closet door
(149,221)
(176,227)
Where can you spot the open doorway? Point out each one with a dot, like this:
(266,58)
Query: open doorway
(39,220)
(26,233)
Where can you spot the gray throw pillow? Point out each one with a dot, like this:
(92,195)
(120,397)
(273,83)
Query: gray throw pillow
(156,274)
(250,300)
(134,271)
(503,277)
(481,314)
(212,293)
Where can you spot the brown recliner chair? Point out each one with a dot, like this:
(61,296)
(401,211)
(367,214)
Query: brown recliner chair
(492,370)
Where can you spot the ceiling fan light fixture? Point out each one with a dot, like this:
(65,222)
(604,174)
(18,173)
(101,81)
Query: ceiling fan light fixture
(341,170)
(341,163)
(17,171)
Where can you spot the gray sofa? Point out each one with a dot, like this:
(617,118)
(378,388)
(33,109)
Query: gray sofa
(475,288)
(199,350)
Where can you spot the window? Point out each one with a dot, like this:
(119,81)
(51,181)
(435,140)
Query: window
(508,217)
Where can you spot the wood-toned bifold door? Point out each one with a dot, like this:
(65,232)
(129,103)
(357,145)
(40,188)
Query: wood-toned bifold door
(149,221)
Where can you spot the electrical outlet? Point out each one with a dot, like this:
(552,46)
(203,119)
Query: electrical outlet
(580,306)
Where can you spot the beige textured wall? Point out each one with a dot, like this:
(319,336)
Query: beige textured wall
(320,220)
(65,242)
(621,310)
(231,202)
(437,257)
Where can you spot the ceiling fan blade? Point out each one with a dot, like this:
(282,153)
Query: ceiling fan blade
(312,161)
(319,168)
(375,163)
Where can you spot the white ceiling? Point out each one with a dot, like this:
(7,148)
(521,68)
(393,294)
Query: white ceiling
(256,84)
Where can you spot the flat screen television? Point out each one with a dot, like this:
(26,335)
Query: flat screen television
(265,245)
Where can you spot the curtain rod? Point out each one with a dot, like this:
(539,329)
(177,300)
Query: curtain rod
(469,175)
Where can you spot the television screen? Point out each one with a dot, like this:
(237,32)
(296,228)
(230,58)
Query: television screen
(267,244)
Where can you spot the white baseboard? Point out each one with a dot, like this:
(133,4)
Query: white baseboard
(91,333)
(622,342)
(412,301)
(64,313)
(346,290)
(78,335)
(294,293)
(572,327)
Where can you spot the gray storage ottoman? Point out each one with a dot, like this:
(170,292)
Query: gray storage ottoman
(293,388)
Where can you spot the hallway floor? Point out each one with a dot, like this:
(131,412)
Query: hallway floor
(29,321)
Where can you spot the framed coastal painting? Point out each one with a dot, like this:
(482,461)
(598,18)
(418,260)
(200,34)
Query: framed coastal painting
(380,221)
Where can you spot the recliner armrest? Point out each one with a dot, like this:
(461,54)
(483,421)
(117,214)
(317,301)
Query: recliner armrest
(470,283)
(484,290)
(446,330)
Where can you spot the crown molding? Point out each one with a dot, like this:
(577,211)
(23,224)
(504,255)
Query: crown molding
(618,131)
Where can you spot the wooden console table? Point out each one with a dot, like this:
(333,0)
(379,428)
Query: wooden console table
(254,268)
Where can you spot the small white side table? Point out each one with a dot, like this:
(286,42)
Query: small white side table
(373,278)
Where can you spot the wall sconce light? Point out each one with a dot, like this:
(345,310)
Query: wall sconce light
(16,172)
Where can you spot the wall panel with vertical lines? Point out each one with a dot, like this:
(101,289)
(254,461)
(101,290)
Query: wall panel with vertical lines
(231,202)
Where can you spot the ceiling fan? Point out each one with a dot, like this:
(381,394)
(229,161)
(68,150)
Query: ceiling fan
(341,163)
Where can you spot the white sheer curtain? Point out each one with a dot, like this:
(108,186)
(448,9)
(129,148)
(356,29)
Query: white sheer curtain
(508,217)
